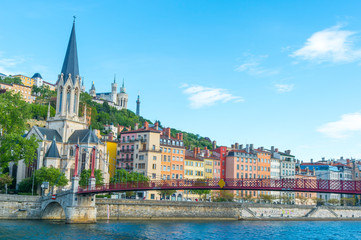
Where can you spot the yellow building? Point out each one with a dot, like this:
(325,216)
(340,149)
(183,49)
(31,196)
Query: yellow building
(112,152)
(193,169)
(208,167)
(27,81)
(25,91)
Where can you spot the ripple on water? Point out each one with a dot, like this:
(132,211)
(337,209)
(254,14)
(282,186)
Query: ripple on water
(11,229)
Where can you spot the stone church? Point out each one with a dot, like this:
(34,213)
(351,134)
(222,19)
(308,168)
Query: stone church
(66,129)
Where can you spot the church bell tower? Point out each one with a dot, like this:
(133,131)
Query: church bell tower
(68,88)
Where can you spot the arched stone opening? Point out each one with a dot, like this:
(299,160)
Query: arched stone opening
(53,211)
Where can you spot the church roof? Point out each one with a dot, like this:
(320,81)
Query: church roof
(84,136)
(50,134)
(70,64)
(53,151)
(37,75)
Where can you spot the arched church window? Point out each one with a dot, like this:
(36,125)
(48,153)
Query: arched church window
(68,93)
(75,100)
(71,151)
(60,99)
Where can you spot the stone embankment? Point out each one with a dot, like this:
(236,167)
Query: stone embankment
(19,207)
(114,209)
(29,207)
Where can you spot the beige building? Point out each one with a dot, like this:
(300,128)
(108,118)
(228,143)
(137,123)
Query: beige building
(25,91)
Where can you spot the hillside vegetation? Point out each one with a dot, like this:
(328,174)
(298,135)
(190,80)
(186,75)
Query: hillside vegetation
(102,114)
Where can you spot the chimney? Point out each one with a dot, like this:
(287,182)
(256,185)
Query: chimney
(236,145)
(311,160)
(167,132)
(276,150)
(195,152)
(156,125)
(136,125)
(214,143)
(348,162)
(247,148)
(251,147)
(181,136)
(232,146)
(177,136)
(323,159)
(272,149)
(262,148)
(241,147)
(146,125)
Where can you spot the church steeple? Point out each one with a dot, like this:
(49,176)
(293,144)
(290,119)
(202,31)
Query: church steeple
(70,65)
(69,82)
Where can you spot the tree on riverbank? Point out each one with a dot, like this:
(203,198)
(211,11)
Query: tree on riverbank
(14,113)
(85,175)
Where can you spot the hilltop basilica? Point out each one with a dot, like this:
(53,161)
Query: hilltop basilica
(66,129)
(117,100)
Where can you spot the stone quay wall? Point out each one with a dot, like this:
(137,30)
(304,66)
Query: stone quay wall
(116,209)
(29,207)
(19,207)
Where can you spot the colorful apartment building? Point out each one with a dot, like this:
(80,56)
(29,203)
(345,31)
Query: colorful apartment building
(112,153)
(194,165)
(139,151)
(24,91)
(305,198)
(222,151)
(27,81)
(173,155)
(264,163)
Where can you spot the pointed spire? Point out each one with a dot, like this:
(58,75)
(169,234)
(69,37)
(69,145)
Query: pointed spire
(123,83)
(114,77)
(70,65)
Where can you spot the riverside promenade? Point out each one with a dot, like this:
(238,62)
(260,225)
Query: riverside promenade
(29,207)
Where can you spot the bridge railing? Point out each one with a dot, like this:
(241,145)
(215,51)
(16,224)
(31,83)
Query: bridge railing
(301,185)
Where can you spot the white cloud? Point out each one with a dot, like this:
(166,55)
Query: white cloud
(348,124)
(7,65)
(200,96)
(331,44)
(282,88)
(253,66)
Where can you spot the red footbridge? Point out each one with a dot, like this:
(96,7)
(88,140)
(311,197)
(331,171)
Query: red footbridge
(293,185)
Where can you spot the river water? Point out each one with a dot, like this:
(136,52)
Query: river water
(24,229)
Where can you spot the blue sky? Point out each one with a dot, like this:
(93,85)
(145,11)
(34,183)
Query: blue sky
(282,73)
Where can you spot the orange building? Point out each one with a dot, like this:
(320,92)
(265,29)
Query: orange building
(173,155)
(25,91)
(263,163)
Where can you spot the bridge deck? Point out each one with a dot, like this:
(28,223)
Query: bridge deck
(295,185)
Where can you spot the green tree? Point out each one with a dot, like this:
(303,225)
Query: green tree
(123,176)
(52,175)
(166,192)
(224,196)
(85,175)
(334,201)
(348,201)
(5,179)
(10,80)
(266,198)
(25,186)
(201,192)
(14,112)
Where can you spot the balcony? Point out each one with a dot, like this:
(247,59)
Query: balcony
(125,159)
(126,150)
(150,150)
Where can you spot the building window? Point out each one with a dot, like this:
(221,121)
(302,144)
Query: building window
(154,176)
(154,157)
(152,196)
(154,166)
